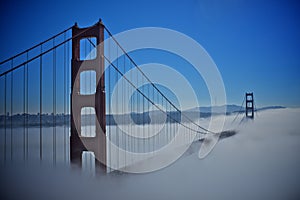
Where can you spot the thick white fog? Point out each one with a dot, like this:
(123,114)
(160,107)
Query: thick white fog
(260,162)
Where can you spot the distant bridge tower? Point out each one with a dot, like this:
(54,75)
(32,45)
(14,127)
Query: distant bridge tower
(78,142)
(249,105)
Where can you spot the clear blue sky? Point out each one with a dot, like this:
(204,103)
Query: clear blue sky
(255,44)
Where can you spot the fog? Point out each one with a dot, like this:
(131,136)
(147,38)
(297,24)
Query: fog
(260,162)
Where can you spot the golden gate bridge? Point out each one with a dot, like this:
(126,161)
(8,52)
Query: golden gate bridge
(56,102)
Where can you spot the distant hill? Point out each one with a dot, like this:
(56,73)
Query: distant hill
(155,117)
(229,109)
(217,109)
(270,107)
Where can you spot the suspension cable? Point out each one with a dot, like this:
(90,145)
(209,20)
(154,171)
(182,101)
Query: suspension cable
(45,52)
(239,110)
(152,102)
(139,69)
(35,46)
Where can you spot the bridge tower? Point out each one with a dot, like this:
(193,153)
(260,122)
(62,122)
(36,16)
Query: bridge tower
(249,105)
(78,142)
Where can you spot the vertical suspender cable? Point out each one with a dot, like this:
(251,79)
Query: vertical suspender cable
(54,103)
(124,135)
(41,106)
(137,109)
(170,122)
(117,113)
(154,122)
(90,91)
(131,110)
(64,97)
(160,135)
(109,102)
(143,113)
(149,120)
(158,121)
(68,96)
(26,135)
(167,123)
(11,111)
(5,116)
(24,117)
(164,123)
(128,121)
